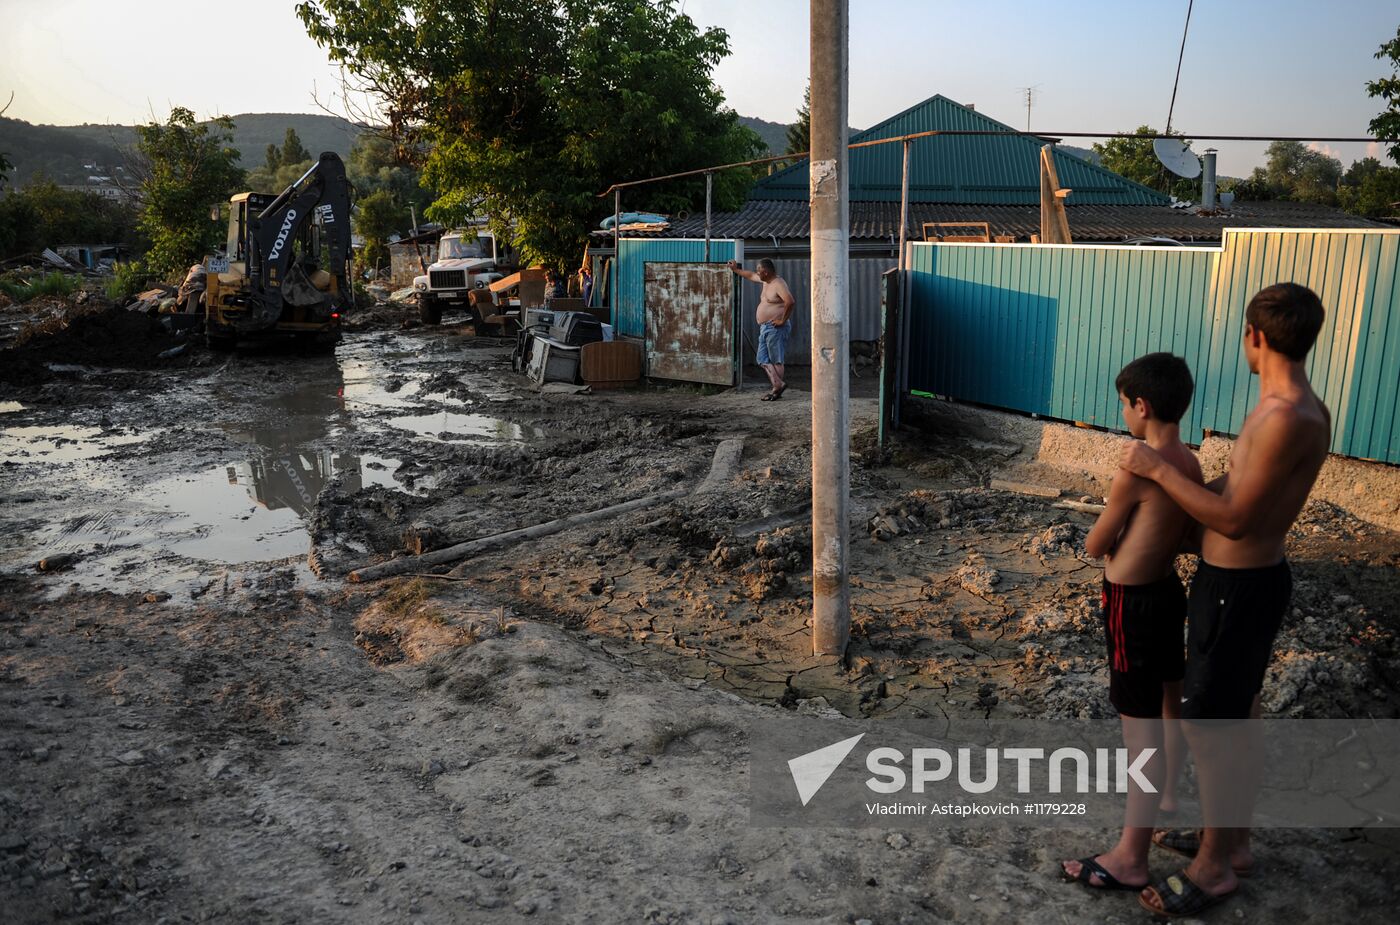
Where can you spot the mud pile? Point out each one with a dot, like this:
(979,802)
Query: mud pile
(95,334)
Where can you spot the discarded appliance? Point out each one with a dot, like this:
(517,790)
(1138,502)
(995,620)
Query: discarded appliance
(552,361)
(575,329)
(610,364)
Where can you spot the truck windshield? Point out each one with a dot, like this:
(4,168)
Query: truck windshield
(469,248)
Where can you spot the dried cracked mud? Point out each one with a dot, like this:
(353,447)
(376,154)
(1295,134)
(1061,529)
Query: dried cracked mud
(201,720)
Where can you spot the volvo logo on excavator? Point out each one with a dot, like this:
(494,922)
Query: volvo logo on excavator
(282,235)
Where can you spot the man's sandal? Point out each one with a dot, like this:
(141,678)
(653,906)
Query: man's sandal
(1090,867)
(1180,897)
(769,397)
(1187,843)
(779,393)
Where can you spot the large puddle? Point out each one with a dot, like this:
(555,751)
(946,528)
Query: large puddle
(299,430)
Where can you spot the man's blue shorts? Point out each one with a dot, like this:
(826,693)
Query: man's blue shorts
(772,343)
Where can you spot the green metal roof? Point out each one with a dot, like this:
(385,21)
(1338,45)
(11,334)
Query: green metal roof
(979,169)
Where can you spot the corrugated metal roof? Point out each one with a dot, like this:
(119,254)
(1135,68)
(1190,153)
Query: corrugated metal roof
(961,168)
(787,220)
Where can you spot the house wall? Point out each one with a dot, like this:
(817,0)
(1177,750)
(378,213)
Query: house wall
(1045,328)
(864,319)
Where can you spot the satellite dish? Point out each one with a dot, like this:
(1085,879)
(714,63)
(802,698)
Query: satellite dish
(1177,157)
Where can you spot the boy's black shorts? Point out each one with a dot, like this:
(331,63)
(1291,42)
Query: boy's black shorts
(1143,628)
(1235,613)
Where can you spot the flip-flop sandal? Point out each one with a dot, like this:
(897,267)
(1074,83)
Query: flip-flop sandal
(769,397)
(779,393)
(1187,843)
(1180,897)
(1090,867)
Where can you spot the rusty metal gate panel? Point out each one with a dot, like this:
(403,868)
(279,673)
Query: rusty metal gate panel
(690,322)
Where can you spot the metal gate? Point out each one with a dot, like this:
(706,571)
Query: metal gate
(690,322)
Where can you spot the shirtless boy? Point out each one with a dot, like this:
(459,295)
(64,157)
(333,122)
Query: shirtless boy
(1139,534)
(775,305)
(1242,585)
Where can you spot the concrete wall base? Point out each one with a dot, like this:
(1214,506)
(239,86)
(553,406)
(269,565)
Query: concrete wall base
(1369,491)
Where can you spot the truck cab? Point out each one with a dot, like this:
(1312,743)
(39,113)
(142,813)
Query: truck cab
(468,260)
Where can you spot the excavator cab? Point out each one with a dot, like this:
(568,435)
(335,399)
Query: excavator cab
(287,264)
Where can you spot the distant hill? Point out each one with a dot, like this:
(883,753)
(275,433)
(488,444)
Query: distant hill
(1084,154)
(60,151)
(774,134)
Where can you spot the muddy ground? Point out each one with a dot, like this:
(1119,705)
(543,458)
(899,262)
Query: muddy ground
(202,720)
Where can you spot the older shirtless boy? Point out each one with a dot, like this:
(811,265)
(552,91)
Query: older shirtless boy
(1241,589)
(775,305)
(1139,534)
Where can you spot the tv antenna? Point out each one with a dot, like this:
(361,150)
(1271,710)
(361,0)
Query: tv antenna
(1175,155)
(1031,92)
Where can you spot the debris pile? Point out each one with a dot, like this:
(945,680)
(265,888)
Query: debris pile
(93,333)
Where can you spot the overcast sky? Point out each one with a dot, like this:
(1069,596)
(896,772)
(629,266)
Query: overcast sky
(1252,67)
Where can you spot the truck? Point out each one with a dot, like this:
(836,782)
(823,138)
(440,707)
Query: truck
(469,260)
(286,267)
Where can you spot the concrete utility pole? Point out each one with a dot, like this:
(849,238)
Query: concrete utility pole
(830,232)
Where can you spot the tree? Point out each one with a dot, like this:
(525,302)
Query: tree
(376,164)
(261,180)
(1135,159)
(1298,173)
(293,152)
(273,158)
(528,111)
(799,134)
(377,216)
(43,214)
(185,168)
(1369,188)
(5,168)
(1387,123)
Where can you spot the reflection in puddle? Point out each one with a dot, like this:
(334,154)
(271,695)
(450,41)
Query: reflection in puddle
(60,444)
(215,518)
(450,427)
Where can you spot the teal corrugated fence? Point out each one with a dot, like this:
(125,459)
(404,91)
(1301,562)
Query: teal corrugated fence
(1045,328)
(635,253)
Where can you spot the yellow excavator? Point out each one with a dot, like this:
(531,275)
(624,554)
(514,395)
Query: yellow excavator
(286,270)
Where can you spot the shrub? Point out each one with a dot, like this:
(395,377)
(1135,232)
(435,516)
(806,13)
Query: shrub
(52,284)
(127,280)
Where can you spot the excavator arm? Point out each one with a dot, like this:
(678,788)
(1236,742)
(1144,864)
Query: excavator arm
(312,214)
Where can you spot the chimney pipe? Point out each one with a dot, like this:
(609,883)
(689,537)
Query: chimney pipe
(1208,181)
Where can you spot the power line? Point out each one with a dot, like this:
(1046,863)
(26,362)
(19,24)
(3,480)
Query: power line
(1180,55)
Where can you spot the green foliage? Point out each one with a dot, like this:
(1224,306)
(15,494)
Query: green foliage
(52,284)
(127,280)
(45,215)
(531,110)
(293,151)
(261,180)
(799,134)
(188,168)
(375,164)
(1294,172)
(1134,158)
(1387,89)
(5,168)
(273,158)
(1371,189)
(377,216)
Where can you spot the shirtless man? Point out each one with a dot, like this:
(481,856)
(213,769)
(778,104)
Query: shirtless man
(1241,589)
(775,305)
